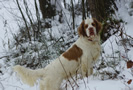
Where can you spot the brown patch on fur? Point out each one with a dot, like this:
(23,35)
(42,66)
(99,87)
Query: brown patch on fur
(73,53)
(98,25)
(86,25)
(81,29)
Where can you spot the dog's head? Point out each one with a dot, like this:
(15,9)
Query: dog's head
(89,28)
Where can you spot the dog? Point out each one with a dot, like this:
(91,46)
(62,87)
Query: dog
(78,59)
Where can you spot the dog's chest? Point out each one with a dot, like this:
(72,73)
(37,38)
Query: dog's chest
(92,52)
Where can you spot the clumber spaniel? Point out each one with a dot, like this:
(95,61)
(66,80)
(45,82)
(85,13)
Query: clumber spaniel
(78,59)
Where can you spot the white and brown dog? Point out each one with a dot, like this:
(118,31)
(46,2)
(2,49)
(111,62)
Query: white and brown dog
(78,59)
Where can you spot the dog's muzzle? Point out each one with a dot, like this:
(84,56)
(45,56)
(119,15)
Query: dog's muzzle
(91,31)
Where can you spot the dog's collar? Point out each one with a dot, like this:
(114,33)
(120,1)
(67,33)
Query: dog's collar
(90,40)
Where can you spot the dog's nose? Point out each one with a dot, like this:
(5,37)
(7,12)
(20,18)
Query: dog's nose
(90,29)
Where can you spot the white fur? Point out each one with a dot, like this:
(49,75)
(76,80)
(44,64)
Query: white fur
(89,21)
(52,75)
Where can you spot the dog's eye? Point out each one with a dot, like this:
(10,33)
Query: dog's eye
(93,24)
(86,26)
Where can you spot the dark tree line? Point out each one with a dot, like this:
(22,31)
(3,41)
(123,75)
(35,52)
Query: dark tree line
(102,10)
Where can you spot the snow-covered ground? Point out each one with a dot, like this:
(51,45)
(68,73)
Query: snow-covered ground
(9,81)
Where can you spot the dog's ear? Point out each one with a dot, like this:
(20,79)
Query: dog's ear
(98,25)
(81,29)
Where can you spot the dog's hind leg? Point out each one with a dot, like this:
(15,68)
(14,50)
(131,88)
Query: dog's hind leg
(50,83)
(42,85)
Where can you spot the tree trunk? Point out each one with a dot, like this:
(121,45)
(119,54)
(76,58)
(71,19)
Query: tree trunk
(64,3)
(73,15)
(47,9)
(87,8)
(83,10)
(97,9)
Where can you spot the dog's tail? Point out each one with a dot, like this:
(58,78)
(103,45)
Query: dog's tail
(28,76)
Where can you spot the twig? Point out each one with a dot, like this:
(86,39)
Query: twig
(128,36)
(24,19)
(66,73)
(5,56)
(74,80)
(2,87)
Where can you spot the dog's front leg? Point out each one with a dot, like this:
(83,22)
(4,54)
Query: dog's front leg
(86,70)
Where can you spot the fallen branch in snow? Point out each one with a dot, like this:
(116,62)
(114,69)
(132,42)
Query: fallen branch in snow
(5,56)
(128,35)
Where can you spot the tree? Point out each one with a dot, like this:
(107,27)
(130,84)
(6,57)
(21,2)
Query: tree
(47,9)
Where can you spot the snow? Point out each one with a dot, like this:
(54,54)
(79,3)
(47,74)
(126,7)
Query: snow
(9,80)
(104,85)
